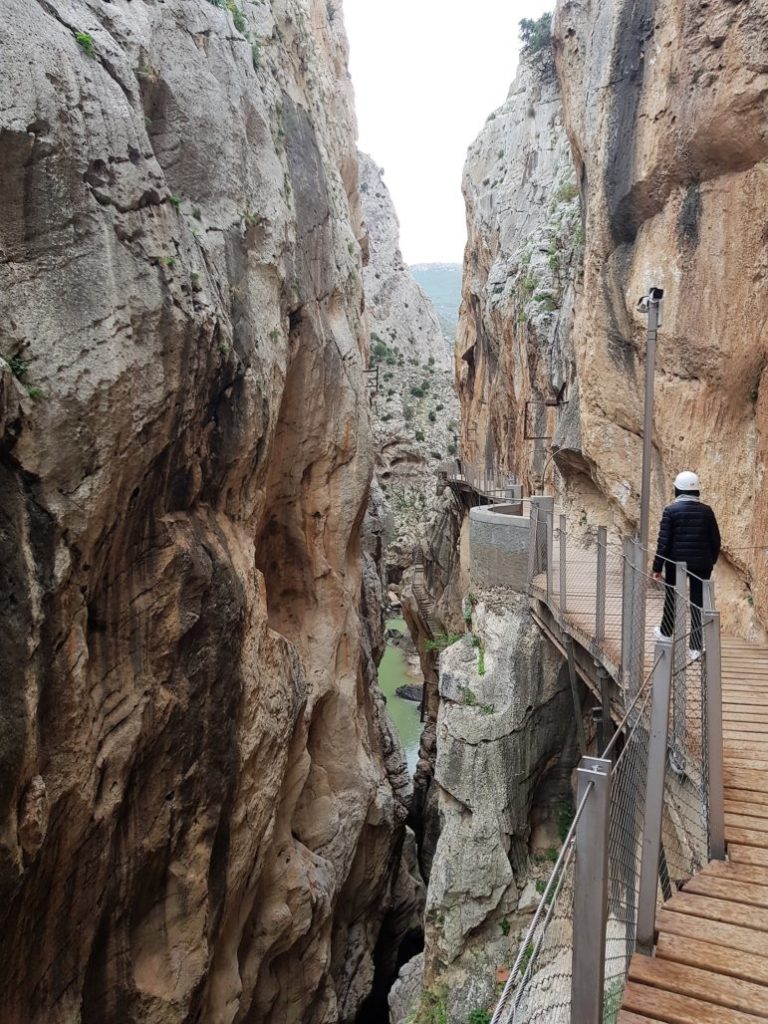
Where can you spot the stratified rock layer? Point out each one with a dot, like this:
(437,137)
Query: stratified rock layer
(201,801)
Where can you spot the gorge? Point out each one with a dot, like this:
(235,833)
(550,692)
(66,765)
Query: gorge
(227,419)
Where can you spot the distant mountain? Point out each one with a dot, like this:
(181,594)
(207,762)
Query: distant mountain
(442,283)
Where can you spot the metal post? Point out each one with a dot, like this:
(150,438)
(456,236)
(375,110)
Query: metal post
(637,626)
(714,737)
(550,519)
(590,897)
(679,673)
(602,576)
(654,796)
(654,322)
(563,589)
(533,543)
(627,598)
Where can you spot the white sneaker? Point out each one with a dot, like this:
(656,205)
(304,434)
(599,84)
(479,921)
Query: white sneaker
(659,635)
(694,655)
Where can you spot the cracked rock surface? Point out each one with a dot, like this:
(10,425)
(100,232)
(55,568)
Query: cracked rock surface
(201,801)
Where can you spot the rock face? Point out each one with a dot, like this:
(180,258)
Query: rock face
(401,315)
(202,803)
(664,108)
(514,348)
(415,409)
(505,750)
(673,166)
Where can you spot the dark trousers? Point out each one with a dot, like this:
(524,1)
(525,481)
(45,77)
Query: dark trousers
(697,598)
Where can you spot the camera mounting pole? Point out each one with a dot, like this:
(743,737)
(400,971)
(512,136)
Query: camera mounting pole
(650,304)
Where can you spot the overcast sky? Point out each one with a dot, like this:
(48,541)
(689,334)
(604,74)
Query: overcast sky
(427,73)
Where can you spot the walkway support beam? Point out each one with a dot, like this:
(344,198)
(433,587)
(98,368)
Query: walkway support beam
(590,900)
(654,796)
(563,587)
(602,583)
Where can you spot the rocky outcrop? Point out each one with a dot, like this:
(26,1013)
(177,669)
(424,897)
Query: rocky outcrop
(505,750)
(415,410)
(515,364)
(672,162)
(401,316)
(202,800)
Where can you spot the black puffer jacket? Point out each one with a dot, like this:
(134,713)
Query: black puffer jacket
(688,533)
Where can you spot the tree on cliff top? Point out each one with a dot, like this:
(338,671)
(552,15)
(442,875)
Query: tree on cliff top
(536,33)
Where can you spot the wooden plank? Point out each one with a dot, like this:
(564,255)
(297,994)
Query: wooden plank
(730,935)
(718,888)
(719,910)
(745,778)
(745,854)
(755,873)
(709,986)
(710,957)
(746,836)
(677,1009)
(739,801)
(627,1017)
(740,820)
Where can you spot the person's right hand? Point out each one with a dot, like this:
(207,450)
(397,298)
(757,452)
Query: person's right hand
(657,577)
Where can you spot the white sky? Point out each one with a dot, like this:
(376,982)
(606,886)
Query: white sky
(427,73)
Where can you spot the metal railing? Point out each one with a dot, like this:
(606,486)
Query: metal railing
(487,482)
(650,810)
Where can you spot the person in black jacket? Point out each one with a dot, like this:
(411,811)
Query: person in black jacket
(688,533)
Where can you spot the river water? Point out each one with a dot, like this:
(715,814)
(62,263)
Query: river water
(393,672)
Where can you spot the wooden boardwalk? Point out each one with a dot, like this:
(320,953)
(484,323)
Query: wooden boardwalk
(710,965)
(711,959)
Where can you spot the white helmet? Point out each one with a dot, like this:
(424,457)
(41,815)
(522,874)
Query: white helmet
(687,481)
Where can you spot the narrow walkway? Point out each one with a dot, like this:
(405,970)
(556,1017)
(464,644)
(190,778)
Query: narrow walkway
(710,964)
(711,961)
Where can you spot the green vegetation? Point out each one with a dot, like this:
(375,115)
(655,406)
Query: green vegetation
(540,885)
(452,449)
(536,33)
(35,392)
(256,54)
(566,192)
(612,1000)
(167,261)
(85,42)
(565,819)
(419,435)
(479,1017)
(19,368)
(526,958)
(174,201)
(505,926)
(432,1008)
(441,641)
(432,417)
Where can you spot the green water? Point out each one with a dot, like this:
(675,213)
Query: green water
(393,672)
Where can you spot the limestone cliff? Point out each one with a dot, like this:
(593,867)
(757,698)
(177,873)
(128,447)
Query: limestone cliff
(664,106)
(414,403)
(401,315)
(202,802)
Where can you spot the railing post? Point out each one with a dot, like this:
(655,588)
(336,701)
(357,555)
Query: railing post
(714,737)
(590,895)
(639,610)
(533,543)
(550,520)
(563,588)
(679,690)
(654,795)
(602,577)
(627,610)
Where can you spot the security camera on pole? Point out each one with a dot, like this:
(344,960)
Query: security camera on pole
(634,611)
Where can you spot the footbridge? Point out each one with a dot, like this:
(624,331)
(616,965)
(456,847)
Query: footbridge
(657,907)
